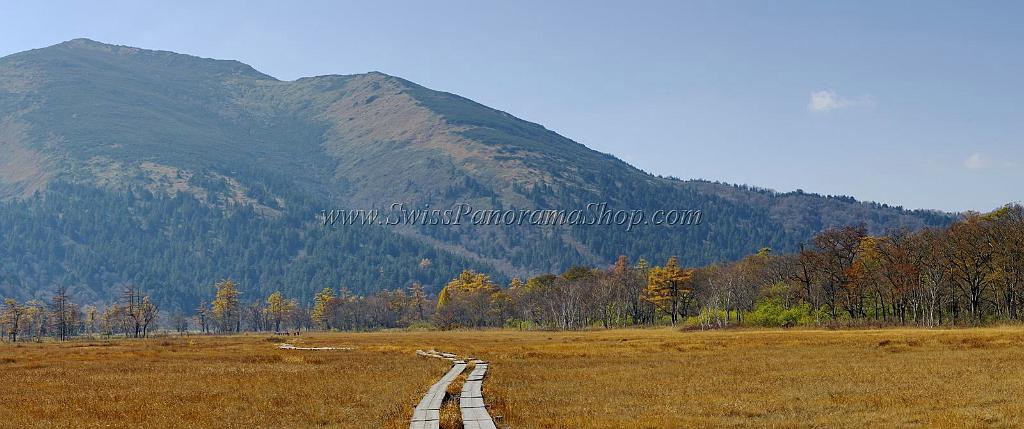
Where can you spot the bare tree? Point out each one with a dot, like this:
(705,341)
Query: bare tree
(12,317)
(61,312)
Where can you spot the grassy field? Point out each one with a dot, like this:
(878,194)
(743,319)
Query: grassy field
(607,379)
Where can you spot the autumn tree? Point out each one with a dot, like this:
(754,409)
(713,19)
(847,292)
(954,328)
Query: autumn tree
(635,282)
(1008,236)
(277,309)
(527,299)
(518,296)
(36,318)
(417,300)
(324,304)
(612,294)
(227,306)
(865,277)
(297,316)
(109,320)
(396,307)
(466,300)
(669,288)
(147,314)
(91,319)
(837,250)
(971,254)
(901,266)
(347,311)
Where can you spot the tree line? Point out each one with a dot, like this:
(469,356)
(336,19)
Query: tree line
(134,315)
(969,273)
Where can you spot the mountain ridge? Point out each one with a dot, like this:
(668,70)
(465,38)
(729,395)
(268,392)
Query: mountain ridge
(376,76)
(156,124)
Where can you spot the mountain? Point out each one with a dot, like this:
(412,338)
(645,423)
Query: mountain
(172,171)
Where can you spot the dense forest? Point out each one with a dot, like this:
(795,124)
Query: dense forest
(92,242)
(968,274)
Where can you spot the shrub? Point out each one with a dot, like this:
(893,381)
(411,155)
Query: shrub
(770,312)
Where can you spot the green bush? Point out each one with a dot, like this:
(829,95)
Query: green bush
(770,312)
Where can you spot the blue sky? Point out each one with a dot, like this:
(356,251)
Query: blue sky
(909,103)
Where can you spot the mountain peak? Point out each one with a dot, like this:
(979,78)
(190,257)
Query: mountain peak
(83,42)
(87,52)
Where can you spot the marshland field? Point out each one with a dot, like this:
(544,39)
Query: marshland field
(639,378)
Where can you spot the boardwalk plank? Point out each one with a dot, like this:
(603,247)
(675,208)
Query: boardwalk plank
(484,424)
(429,424)
(471,401)
(472,389)
(475,414)
(427,413)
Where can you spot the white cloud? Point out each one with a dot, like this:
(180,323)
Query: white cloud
(976,161)
(828,100)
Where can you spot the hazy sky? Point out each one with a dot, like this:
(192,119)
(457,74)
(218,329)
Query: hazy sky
(919,104)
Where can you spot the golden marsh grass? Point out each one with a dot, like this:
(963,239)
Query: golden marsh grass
(656,378)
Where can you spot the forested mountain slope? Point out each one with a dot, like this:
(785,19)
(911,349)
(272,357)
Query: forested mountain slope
(170,171)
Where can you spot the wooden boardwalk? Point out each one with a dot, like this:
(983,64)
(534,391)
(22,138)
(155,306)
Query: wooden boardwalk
(286,346)
(471,400)
(427,414)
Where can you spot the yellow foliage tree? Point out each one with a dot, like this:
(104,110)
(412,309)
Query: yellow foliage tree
(227,307)
(668,288)
(277,308)
(468,299)
(323,305)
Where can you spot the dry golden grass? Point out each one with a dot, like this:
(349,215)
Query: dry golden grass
(609,379)
(212,382)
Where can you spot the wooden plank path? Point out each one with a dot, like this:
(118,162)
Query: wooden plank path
(471,400)
(286,346)
(427,414)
